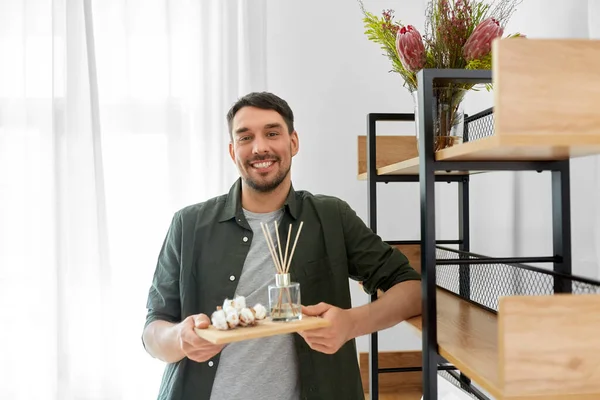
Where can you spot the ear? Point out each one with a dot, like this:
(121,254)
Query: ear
(295,143)
(231,152)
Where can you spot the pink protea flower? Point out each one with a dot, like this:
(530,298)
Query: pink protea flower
(411,50)
(479,43)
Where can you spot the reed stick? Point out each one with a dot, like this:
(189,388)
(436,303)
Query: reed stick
(279,300)
(283,263)
(287,267)
(271,250)
(290,301)
(278,243)
(287,245)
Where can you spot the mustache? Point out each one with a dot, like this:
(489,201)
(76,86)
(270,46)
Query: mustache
(263,158)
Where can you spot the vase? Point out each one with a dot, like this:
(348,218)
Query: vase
(284,299)
(448,116)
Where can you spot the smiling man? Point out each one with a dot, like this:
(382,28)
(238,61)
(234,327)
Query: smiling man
(262,147)
(216,250)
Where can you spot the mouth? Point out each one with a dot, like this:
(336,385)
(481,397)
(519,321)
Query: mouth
(262,166)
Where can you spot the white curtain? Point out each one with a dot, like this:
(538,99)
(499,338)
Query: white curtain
(112,116)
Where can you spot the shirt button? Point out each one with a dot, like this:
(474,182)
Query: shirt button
(232,278)
(210,363)
(245,239)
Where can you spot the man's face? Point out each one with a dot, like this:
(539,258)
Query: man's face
(262,148)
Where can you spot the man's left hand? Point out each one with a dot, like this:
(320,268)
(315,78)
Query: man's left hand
(328,340)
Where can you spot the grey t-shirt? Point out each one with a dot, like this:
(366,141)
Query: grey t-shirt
(265,368)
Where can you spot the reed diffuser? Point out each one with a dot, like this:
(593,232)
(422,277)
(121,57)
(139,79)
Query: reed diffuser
(284,295)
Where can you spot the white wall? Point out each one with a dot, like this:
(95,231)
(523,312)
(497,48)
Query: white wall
(321,62)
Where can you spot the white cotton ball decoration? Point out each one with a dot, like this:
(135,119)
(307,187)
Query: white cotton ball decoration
(246,317)
(233,319)
(239,303)
(235,313)
(219,320)
(260,311)
(228,305)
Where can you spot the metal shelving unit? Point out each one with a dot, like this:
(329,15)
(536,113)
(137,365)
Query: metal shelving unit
(478,279)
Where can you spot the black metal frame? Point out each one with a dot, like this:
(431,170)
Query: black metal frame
(427,177)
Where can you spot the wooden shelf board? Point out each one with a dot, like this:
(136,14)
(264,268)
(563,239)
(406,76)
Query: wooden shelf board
(525,104)
(395,382)
(531,147)
(549,345)
(467,337)
(407,167)
(390,150)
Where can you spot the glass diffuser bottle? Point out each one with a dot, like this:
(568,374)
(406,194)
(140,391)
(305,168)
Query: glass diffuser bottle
(284,299)
(284,295)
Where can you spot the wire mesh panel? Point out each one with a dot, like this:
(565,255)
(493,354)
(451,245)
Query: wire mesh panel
(468,391)
(488,282)
(585,288)
(480,125)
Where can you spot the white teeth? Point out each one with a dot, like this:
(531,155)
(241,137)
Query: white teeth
(265,164)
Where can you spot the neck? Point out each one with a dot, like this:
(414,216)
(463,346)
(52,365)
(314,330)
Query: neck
(259,202)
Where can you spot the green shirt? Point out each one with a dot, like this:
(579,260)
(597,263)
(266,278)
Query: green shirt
(202,258)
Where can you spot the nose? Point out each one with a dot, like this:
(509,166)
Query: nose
(260,145)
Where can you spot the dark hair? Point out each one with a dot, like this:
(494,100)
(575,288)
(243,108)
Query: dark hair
(266,101)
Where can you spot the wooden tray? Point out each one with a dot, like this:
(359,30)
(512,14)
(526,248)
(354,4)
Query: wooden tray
(264,328)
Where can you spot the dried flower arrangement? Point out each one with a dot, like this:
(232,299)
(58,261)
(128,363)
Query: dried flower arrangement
(458,34)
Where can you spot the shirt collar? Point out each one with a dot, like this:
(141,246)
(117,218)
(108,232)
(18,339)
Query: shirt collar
(233,203)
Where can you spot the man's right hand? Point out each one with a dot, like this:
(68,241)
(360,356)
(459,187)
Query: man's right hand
(194,347)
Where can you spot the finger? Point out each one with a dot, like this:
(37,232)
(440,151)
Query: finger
(206,348)
(199,349)
(201,321)
(191,339)
(319,334)
(193,342)
(316,309)
(321,347)
(318,341)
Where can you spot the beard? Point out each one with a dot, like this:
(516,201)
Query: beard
(267,185)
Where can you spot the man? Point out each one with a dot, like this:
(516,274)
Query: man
(216,250)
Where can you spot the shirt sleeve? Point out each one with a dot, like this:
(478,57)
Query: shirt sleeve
(163,298)
(372,261)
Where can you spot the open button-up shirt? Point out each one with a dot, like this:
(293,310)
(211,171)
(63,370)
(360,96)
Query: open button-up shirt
(203,255)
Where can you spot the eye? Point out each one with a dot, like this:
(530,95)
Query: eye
(273,133)
(244,138)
